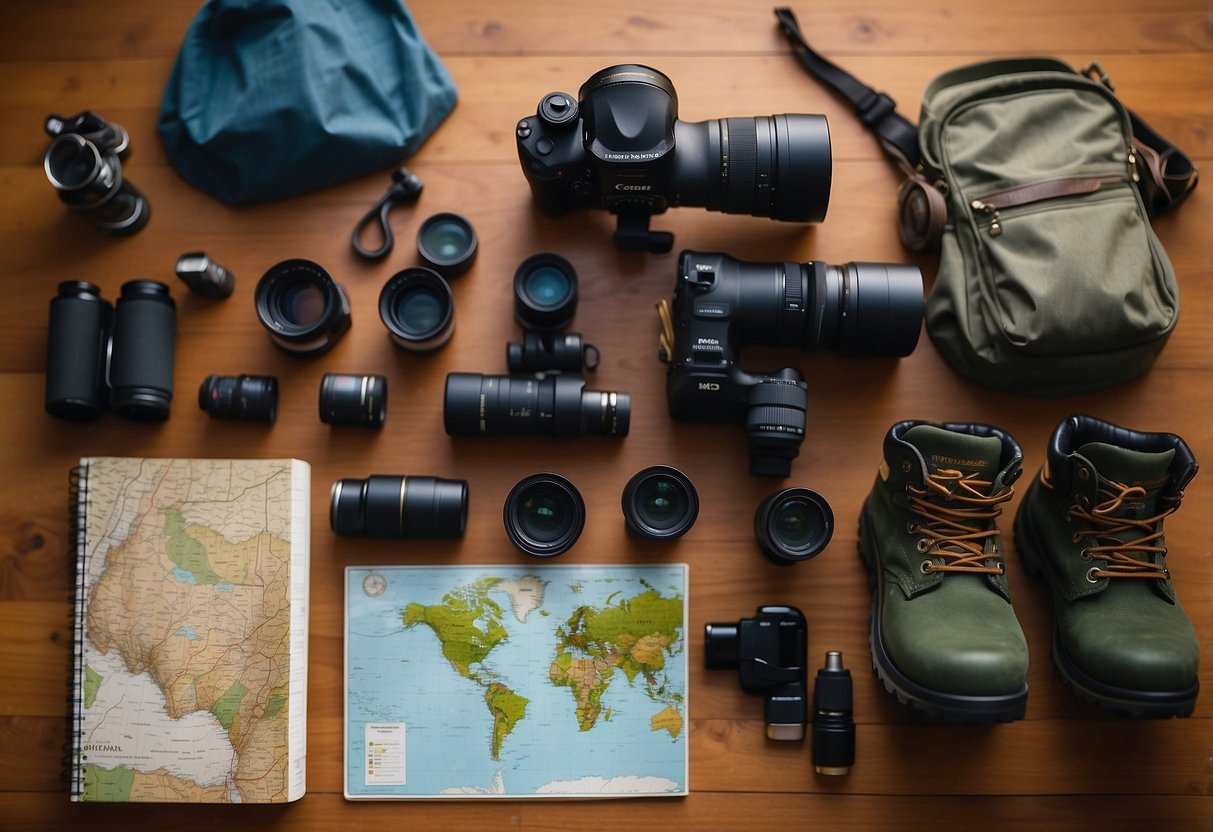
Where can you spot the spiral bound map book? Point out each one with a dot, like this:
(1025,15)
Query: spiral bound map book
(190,630)
(515,682)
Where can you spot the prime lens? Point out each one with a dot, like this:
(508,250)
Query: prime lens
(447,244)
(418,309)
(660,503)
(544,515)
(76,348)
(142,350)
(241,398)
(793,525)
(545,292)
(399,507)
(556,405)
(305,311)
(347,399)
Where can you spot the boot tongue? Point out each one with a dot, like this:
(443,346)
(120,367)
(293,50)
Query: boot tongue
(947,450)
(1150,471)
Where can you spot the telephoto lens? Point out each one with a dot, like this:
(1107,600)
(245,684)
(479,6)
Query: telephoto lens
(353,400)
(545,292)
(793,525)
(399,507)
(204,276)
(660,503)
(544,515)
(76,346)
(418,309)
(544,351)
(447,244)
(242,398)
(555,405)
(304,309)
(141,351)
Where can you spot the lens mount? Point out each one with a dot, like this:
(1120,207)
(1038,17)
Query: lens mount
(305,311)
(545,292)
(418,309)
(660,503)
(793,525)
(447,244)
(544,515)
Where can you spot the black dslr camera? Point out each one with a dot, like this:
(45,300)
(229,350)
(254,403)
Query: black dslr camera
(619,145)
(721,303)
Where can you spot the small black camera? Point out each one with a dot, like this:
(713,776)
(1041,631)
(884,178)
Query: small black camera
(620,145)
(770,652)
(721,303)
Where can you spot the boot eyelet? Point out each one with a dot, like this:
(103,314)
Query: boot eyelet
(1076,537)
(1091,578)
(1085,555)
(907,466)
(1166,573)
(1082,500)
(1084,474)
(926,567)
(924,543)
(911,527)
(1002,568)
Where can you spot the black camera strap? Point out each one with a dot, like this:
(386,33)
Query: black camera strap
(1167,173)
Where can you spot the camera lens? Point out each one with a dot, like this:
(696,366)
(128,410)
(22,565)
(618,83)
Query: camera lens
(304,309)
(775,422)
(545,292)
(353,400)
(557,405)
(142,349)
(242,398)
(543,351)
(447,244)
(76,346)
(399,507)
(793,525)
(544,515)
(418,309)
(90,181)
(864,308)
(660,503)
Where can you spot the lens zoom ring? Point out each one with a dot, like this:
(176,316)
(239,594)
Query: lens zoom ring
(741,166)
(771,419)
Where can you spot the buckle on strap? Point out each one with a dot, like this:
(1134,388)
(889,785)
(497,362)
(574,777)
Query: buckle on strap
(875,108)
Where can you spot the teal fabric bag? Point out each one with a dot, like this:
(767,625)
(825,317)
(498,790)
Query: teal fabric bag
(271,98)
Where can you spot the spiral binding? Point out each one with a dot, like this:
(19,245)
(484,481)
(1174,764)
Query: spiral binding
(73,772)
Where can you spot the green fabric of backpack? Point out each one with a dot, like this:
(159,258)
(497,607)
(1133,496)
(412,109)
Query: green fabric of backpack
(1051,280)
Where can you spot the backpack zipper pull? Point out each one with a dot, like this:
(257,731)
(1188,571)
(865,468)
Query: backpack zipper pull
(1133,174)
(991,212)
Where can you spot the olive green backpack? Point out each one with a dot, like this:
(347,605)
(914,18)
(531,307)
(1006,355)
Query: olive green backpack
(1038,186)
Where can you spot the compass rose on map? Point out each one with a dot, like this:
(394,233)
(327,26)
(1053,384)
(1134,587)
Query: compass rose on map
(374,584)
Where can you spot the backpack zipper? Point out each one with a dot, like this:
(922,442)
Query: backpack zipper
(990,204)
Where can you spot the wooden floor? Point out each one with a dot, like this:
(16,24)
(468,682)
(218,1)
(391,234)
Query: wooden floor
(1065,766)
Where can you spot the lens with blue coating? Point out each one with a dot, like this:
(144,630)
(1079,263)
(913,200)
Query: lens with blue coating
(545,292)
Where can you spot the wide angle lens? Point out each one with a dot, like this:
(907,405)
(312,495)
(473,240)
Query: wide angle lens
(660,503)
(544,515)
(305,311)
(793,525)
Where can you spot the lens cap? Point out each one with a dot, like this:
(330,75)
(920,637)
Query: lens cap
(793,525)
(544,515)
(447,244)
(545,292)
(660,503)
(418,309)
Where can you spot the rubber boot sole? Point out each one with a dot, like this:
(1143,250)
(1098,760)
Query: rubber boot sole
(1138,704)
(949,707)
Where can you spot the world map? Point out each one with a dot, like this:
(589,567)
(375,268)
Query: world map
(508,682)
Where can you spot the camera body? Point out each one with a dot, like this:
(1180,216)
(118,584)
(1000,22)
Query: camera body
(721,303)
(621,146)
(770,652)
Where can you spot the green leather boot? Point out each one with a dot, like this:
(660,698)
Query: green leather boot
(1091,525)
(944,636)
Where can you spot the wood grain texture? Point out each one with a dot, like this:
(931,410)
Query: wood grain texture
(1066,766)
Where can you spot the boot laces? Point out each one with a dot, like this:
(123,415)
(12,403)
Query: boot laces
(1105,528)
(959,511)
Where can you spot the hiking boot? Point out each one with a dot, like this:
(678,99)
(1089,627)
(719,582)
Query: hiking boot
(1091,525)
(944,636)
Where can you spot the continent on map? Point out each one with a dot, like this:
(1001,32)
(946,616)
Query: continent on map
(669,720)
(634,636)
(124,784)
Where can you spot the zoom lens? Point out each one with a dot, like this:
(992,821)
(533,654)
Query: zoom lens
(418,309)
(76,347)
(353,400)
(557,405)
(447,244)
(544,515)
(142,350)
(660,503)
(545,292)
(304,309)
(793,525)
(241,398)
(399,507)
